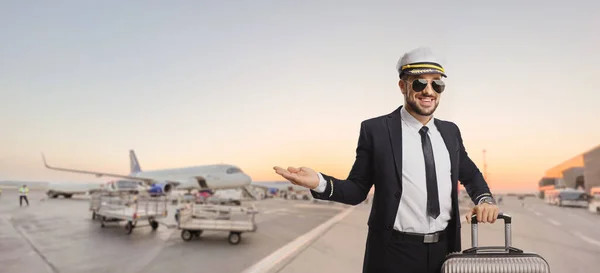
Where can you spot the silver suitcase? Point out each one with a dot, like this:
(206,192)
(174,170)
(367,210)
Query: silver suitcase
(494,259)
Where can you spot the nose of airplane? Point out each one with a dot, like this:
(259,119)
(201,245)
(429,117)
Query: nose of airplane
(246,178)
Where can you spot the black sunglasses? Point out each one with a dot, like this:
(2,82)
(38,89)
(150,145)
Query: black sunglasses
(420,84)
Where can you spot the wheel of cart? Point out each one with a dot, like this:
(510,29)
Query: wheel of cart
(235,237)
(187,235)
(153,224)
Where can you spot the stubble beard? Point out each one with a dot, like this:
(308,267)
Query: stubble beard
(412,103)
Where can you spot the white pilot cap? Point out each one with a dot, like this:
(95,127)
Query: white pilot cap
(421,60)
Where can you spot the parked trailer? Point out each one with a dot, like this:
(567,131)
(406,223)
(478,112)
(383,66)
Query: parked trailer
(195,218)
(127,206)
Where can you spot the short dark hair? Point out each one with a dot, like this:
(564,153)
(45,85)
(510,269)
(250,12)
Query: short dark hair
(407,77)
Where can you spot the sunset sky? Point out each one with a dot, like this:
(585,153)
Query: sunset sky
(263,83)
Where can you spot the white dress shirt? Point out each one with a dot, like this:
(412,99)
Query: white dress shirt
(412,209)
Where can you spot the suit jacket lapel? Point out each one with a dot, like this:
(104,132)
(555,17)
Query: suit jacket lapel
(394,124)
(452,145)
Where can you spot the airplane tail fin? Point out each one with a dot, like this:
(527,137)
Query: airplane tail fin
(134,164)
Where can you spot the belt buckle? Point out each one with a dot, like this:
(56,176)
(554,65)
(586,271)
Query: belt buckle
(431,238)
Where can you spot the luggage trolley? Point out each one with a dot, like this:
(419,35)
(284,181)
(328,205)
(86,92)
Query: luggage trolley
(127,206)
(193,219)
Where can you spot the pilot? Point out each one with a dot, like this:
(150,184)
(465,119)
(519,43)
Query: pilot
(415,161)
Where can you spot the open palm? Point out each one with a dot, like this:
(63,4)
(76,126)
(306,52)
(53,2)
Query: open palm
(303,176)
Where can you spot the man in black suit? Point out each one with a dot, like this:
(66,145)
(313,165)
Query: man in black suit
(415,162)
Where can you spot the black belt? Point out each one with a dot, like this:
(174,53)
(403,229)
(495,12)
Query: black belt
(429,238)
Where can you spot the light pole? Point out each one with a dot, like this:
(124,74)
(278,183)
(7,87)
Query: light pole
(484,167)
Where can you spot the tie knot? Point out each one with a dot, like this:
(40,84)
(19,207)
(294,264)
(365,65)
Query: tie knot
(424,130)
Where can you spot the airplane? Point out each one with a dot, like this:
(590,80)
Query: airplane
(203,177)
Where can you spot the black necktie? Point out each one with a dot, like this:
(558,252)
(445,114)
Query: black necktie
(433,204)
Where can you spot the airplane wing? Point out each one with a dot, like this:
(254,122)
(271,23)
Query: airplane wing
(148,181)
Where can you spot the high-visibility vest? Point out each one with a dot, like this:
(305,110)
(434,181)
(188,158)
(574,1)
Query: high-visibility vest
(23,191)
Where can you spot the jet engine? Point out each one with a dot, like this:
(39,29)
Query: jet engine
(160,188)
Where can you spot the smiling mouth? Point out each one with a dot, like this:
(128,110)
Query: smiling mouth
(426,100)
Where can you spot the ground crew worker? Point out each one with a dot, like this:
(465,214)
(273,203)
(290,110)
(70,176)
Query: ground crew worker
(23,191)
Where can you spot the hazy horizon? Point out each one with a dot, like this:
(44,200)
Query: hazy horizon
(265,83)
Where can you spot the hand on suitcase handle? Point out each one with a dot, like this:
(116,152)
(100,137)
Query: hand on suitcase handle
(487,213)
(507,219)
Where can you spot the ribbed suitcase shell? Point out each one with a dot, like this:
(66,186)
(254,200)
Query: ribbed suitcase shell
(492,259)
(495,263)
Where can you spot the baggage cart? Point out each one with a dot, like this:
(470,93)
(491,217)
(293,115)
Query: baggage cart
(494,259)
(193,219)
(126,206)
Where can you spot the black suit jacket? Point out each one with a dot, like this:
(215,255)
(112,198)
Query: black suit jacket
(379,162)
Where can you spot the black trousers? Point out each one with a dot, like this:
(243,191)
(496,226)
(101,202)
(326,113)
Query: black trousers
(405,255)
(21,200)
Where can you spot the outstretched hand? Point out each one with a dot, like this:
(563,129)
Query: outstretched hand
(303,176)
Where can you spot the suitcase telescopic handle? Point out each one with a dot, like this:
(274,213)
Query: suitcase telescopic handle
(507,230)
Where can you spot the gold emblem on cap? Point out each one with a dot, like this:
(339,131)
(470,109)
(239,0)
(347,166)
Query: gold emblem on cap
(423,66)
(423,70)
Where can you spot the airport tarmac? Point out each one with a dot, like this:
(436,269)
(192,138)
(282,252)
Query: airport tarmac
(58,235)
(568,238)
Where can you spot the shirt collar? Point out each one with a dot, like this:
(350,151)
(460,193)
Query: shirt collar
(412,122)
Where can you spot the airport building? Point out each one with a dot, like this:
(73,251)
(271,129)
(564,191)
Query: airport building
(581,171)
(591,172)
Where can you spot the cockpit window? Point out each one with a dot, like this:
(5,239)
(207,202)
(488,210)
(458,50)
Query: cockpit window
(233,170)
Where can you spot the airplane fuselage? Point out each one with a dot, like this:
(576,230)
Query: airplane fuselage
(216,176)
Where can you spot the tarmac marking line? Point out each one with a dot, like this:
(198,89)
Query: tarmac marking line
(275,211)
(280,257)
(554,222)
(49,264)
(587,239)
